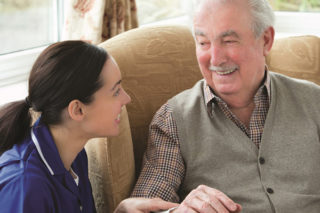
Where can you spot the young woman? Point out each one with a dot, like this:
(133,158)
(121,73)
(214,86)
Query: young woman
(76,87)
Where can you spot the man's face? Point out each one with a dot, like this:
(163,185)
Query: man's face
(230,57)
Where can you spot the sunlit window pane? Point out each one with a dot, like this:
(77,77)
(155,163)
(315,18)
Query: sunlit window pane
(155,10)
(26,24)
(296,5)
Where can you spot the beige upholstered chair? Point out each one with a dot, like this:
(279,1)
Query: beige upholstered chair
(157,63)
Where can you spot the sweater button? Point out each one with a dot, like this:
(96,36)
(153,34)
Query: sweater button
(262,160)
(270,191)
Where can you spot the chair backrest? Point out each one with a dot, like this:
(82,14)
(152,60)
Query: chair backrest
(159,62)
(298,57)
(156,63)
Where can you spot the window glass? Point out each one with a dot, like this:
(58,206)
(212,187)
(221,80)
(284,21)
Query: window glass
(155,10)
(296,5)
(26,24)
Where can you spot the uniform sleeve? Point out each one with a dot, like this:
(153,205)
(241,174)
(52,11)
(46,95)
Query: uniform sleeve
(26,194)
(163,168)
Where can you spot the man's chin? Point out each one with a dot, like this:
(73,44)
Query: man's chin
(225,90)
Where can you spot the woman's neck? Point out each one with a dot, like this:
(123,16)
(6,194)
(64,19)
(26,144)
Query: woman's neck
(69,143)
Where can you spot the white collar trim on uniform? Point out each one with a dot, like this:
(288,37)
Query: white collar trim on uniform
(75,176)
(36,143)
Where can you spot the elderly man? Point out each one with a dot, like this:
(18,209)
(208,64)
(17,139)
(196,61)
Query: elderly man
(244,138)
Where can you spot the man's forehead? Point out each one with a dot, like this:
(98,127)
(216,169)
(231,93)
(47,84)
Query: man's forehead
(199,3)
(229,32)
(198,32)
(207,8)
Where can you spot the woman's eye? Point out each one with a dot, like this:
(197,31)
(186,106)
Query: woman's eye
(117,92)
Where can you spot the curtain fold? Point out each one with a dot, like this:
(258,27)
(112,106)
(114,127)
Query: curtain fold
(97,20)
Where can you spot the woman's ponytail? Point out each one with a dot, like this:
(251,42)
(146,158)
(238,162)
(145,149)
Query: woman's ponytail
(15,120)
(64,71)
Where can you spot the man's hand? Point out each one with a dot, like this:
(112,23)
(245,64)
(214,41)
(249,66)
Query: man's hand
(208,200)
(143,205)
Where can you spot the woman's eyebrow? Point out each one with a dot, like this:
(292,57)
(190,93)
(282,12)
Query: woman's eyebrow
(116,84)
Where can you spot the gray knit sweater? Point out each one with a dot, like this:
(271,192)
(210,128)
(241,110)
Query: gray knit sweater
(282,176)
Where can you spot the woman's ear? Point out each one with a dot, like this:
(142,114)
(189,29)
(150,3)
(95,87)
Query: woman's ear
(268,38)
(75,110)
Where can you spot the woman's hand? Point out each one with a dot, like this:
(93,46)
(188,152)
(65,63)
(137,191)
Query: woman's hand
(143,205)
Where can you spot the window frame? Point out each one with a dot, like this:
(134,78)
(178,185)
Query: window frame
(15,66)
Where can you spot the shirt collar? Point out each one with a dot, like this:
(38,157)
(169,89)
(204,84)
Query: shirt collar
(210,97)
(46,148)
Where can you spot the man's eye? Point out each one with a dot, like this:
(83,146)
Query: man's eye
(229,41)
(203,43)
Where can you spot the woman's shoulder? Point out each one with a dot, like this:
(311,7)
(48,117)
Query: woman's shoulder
(20,162)
(25,190)
(25,176)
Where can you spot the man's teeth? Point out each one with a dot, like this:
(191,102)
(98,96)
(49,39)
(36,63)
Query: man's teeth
(225,72)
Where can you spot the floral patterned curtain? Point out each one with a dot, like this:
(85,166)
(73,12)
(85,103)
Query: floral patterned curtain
(97,20)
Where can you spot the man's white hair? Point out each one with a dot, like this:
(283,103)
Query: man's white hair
(261,12)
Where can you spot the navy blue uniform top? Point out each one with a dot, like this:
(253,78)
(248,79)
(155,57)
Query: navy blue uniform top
(34,179)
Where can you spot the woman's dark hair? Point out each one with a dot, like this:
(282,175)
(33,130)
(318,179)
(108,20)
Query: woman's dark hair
(64,71)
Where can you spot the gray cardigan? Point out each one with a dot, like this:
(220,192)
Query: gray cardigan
(282,176)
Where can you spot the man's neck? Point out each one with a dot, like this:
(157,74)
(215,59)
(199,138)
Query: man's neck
(241,106)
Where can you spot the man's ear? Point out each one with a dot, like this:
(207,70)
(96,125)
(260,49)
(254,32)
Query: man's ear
(75,110)
(268,38)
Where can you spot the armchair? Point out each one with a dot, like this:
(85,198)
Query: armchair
(156,63)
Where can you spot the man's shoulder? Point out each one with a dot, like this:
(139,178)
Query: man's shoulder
(298,90)
(188,100)
(189,94)
(287,81)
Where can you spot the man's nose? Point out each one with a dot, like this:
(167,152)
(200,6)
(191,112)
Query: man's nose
(217,55)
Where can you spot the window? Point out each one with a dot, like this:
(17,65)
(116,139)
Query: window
(293,17)
(296,5)
(150,11)
(296,17)
(27,24)
(26,27)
